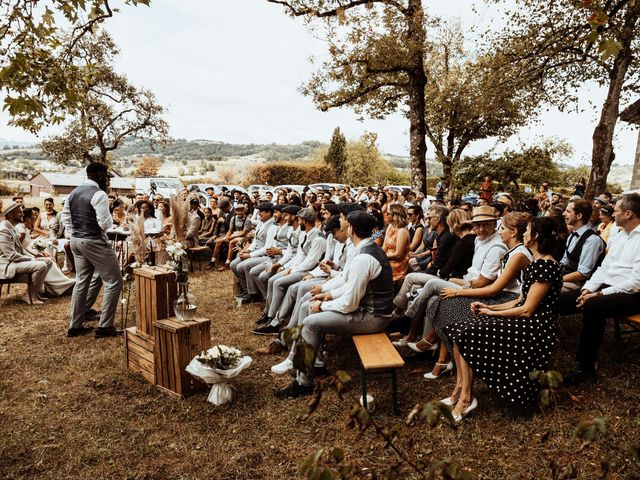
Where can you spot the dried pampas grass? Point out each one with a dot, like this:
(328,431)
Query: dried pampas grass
(179,217)
(138,240)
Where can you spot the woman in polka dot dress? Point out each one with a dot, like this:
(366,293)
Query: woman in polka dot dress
(503,343)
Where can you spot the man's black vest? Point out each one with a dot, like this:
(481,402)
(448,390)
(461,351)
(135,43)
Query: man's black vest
(83,215)
(573,256)
(378,298)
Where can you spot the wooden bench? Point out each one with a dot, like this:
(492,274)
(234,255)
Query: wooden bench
(197,253)
(20,278)
(633,324)
(378,357)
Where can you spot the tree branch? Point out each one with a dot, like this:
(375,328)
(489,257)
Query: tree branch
(293,11)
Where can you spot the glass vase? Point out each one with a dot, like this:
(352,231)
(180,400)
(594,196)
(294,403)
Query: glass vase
(185,306)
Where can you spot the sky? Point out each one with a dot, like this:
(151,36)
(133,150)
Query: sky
(230,70)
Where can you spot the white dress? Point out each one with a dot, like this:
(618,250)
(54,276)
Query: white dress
(55,283)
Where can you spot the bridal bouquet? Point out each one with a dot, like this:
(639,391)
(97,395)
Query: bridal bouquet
(40,244)
(178,261)
(215,367)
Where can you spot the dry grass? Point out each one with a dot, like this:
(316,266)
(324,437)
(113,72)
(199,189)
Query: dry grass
(69,409)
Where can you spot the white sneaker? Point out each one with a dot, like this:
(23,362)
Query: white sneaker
(283,367)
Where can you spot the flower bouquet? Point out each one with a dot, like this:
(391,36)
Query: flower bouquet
(185,306)
(40,244)
(217,365)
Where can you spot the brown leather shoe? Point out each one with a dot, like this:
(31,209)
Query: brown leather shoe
(273,348)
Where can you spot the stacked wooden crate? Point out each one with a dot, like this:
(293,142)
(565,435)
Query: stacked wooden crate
(155,293)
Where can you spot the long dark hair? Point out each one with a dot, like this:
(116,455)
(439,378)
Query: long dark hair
(545,232)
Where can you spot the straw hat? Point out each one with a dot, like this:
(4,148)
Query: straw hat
(484,214)
(9,206)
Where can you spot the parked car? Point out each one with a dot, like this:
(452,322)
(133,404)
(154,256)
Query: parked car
(296,188)
(164,186)
(471,197)
(326,186)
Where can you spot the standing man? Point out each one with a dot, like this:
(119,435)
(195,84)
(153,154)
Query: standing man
(86,217)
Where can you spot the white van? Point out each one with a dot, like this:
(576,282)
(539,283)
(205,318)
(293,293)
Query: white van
(164,186)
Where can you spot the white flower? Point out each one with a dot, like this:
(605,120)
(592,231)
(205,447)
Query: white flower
(123,301)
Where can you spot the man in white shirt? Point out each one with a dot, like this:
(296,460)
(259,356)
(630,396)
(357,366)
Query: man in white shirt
(256,252)
(363,305)
(310,250)
(584,248)
(86,217)
(613,290)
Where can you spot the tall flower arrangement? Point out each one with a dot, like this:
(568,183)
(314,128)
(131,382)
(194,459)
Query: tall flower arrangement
(185,306)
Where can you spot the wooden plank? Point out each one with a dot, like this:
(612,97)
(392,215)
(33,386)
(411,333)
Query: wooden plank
(138,350)
(134,337)
(377,352)
(138,369)
(143,362)
(153,301)
(161,298)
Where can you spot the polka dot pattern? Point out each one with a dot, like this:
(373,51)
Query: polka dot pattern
(502,351)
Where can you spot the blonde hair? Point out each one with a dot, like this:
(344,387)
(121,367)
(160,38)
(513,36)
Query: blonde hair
(458,221)
(517,221)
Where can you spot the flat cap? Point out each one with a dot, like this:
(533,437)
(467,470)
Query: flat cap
(333,222)
(268,206)
(348,207)
(362,222)
(308,214)
(292,209)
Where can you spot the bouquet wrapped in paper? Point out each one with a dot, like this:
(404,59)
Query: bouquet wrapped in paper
(215,367)
(40,244)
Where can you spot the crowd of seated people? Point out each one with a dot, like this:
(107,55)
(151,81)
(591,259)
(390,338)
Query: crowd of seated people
(478,280)
(478,286)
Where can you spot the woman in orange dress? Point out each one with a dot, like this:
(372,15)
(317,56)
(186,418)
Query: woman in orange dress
(396,241)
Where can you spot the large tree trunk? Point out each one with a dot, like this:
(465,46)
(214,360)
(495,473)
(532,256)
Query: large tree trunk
(417,83)
(602,154)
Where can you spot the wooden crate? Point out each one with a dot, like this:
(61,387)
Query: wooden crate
(176,345)
(139,352)
(155,293)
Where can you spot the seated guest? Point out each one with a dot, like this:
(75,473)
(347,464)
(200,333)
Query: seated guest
(584,248)
(119,213)
(239,226)
(457,264)
(43,222)
(311,248)
(59,240)
(488,251)
(207,226)
(193,227)
(524,329)
(396,241)
(222,226)
(607,225)
(256,252)
(415,227)
(56,283)
(506,287)
(14,260)
(444,240)
(146,209)
(613,289)
(164,208)
(362,306)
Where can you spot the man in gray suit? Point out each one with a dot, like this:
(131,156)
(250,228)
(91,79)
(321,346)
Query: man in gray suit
(86,217)
(14,260)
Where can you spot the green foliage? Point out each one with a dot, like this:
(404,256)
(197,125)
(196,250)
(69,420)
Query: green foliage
(279,173)
(107,108)
(39,76)
(336,155)
(6,190)
(365,166)
(513,168)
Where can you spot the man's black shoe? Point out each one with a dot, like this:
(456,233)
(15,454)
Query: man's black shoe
(91,314)
(266,330)
(263,319)
(76,332)
(580,375)
(107,332)
(294,390)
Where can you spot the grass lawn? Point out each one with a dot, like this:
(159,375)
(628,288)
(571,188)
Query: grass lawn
(70,409)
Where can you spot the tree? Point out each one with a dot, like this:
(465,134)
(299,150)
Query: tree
(471,97)
(148,167)
(336,155)
(565,44)
(108,109)
(365,166)
(38,39)
(376,64)
(512,169)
